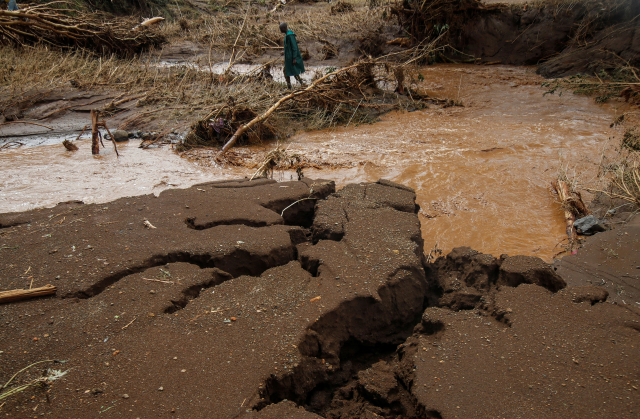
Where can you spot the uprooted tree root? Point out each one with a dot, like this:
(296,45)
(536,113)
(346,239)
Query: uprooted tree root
(281,159)
(429,18)
(573,206)
(67,28)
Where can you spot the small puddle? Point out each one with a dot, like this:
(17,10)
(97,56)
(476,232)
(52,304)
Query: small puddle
(32,177)
(481,172)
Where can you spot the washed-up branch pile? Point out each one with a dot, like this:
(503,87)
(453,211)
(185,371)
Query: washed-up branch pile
(66,28)
(354,94)
(348,95)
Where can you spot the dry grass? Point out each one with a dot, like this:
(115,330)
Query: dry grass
(620,81)
(620,174)
(261,32)
(184,90)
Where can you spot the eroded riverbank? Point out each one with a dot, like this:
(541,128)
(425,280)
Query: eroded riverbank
(481,172)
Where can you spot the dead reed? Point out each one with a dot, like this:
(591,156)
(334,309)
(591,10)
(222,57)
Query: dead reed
(176,91)
(260,34)
(620,173)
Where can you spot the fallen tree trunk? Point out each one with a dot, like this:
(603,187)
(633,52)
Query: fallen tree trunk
(19,295)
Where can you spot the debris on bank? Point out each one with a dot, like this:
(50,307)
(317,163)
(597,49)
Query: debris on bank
(355,94)
(66,28)
(573,206)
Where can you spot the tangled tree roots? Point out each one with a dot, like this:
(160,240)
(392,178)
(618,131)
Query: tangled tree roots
(429,18)
(215,132)
(66,28)
(348,95)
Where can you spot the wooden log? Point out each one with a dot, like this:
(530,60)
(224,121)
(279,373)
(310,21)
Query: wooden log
(562,189)
(19,295)
(95,145)
(573,207)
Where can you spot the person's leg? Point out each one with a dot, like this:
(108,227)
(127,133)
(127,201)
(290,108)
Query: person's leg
(286,78)
(299,80)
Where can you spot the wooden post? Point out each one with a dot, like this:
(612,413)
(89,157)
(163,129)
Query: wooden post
(95,145)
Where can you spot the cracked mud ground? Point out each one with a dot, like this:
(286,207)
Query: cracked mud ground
(221,307)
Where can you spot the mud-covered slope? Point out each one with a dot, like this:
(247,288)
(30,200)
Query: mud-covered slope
(563,37)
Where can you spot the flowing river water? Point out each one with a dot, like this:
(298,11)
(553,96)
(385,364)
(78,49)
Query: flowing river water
(481,171)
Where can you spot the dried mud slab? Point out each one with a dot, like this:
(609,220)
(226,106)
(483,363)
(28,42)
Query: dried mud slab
(242,300)
(163,317)
(547,356)
(609,260)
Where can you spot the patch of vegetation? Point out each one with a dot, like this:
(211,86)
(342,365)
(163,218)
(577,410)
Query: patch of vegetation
(631,139)
(605,85)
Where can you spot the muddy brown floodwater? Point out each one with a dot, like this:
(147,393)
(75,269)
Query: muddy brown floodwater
(481,172)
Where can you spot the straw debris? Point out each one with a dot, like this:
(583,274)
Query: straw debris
(67,28)
(353,94)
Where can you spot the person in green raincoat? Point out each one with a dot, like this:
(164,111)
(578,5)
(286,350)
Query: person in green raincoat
(12,6)
(293,65)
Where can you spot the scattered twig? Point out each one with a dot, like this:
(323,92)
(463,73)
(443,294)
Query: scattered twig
(158,280)
(148,224)
(19,294)
(129,324)
(289,206)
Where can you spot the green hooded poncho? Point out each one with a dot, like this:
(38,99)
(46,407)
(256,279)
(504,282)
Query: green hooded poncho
(291,51)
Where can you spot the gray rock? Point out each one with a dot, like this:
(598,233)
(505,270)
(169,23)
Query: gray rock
(120,135)
(588,225)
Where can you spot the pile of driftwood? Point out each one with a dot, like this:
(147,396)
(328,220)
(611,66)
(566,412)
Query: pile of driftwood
(54,25)
(573,207)
(340,94)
